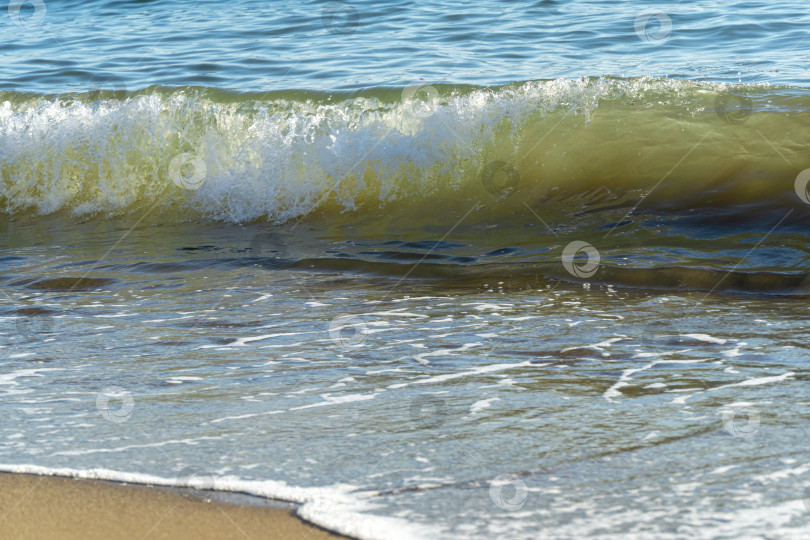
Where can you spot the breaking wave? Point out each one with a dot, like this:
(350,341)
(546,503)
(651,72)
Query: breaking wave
(419,152)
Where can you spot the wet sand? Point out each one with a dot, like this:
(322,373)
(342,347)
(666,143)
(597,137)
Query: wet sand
(65,508)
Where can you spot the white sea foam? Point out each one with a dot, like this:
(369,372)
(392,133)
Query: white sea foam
(179,442)
(706,338)
(338,508)
(280,158)
(624,379)
(459,375)
(479,406)
(329,399)
(10,378)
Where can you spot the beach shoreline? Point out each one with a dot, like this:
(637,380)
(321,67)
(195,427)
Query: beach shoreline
(34,506)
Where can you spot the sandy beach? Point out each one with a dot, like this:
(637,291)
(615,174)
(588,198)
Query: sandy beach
(65,508)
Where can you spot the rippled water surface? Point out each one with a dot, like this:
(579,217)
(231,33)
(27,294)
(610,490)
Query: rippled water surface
(459,408)
(255,45)
(427,269)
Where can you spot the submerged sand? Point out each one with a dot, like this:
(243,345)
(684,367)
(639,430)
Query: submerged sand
(65,508)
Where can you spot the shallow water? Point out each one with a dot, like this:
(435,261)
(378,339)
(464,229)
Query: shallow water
(427,270)
(182,356)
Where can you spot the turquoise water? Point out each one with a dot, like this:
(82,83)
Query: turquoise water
(428,270)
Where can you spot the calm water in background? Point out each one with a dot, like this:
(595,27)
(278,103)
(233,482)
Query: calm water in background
(254,45)
(317,252)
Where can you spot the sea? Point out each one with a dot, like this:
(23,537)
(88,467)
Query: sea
(480,269)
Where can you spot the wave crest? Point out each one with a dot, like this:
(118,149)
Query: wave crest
(282,155)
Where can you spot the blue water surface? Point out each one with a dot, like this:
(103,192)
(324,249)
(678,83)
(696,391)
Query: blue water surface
(51,46)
